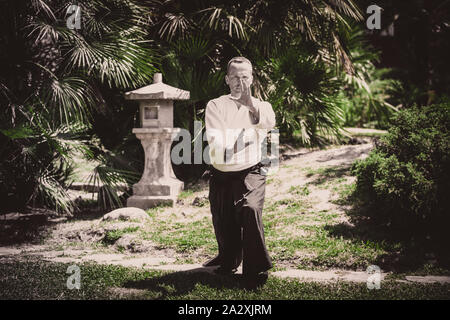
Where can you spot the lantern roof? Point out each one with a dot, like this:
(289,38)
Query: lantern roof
(157,90)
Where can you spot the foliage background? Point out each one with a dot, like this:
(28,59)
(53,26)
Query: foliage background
(61,90)
(405,180)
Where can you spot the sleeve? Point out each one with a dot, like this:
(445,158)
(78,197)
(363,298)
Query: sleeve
(215,131)
(266,116)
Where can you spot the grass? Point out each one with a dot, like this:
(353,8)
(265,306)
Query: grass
(186,194)
(299,190)
(368,134)
(152,212)
(113,236)
(297,236)
(183,237)
(316,248)
(45,280)
(273,181)
(327,176)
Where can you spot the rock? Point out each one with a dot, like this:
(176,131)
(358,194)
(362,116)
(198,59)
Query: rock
(127,241)
(131,243)
(127,293)
(200,201)
(120,226)
(128,213)
(94,235)
(357,140)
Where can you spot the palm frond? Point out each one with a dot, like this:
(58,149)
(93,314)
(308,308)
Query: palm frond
(68,98)
(53,195)
(348,7)
(219,19)
(174,24)
(41,5)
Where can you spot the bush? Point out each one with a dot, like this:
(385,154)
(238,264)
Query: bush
(406,178)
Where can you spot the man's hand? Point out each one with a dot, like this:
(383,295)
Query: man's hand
(238,146)
(246,100)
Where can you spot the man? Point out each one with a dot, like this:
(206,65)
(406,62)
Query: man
(236,125)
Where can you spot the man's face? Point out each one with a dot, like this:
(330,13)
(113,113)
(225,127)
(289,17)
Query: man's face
(238,73)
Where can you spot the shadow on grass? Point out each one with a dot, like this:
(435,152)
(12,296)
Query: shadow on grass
(285,157)
(34,226)
(88,215)
(180,283)
(329,173)
(197,185)
(26,228)
(405,251)
(349,153)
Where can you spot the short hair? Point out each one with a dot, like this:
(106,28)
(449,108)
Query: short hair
(238,60)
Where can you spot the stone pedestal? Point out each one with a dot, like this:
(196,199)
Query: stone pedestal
(158,184)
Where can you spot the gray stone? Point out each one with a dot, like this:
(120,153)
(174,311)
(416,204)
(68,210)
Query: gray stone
(184,268)
(104,257)
(147,262)
(325,276)
(428,279)
(200,201)
(146,202)
(129,213)
(91,235)
(122,225)
(9,251)
(158,184)
(130,242)
(127,293)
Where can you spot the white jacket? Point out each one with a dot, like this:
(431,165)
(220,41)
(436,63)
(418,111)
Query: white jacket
(225,122)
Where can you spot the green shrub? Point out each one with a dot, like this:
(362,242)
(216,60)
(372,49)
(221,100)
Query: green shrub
(405,179)
(62,98)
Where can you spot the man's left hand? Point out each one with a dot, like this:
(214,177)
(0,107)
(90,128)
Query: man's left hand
(246,100)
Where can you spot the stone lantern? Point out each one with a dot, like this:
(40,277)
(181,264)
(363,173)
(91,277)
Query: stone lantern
(158,184)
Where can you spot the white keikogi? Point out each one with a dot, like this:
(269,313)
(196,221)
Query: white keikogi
(225,123)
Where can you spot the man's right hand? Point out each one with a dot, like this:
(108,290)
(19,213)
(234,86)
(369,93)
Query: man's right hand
(239,145)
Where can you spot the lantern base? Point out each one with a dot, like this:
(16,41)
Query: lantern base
(152,195)
(147,202)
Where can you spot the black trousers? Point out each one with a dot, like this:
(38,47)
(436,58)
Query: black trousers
(237,200)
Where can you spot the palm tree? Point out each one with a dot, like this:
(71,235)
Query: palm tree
(264,31)
(55,82)
(61,89)
(264,26)
(369,88)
